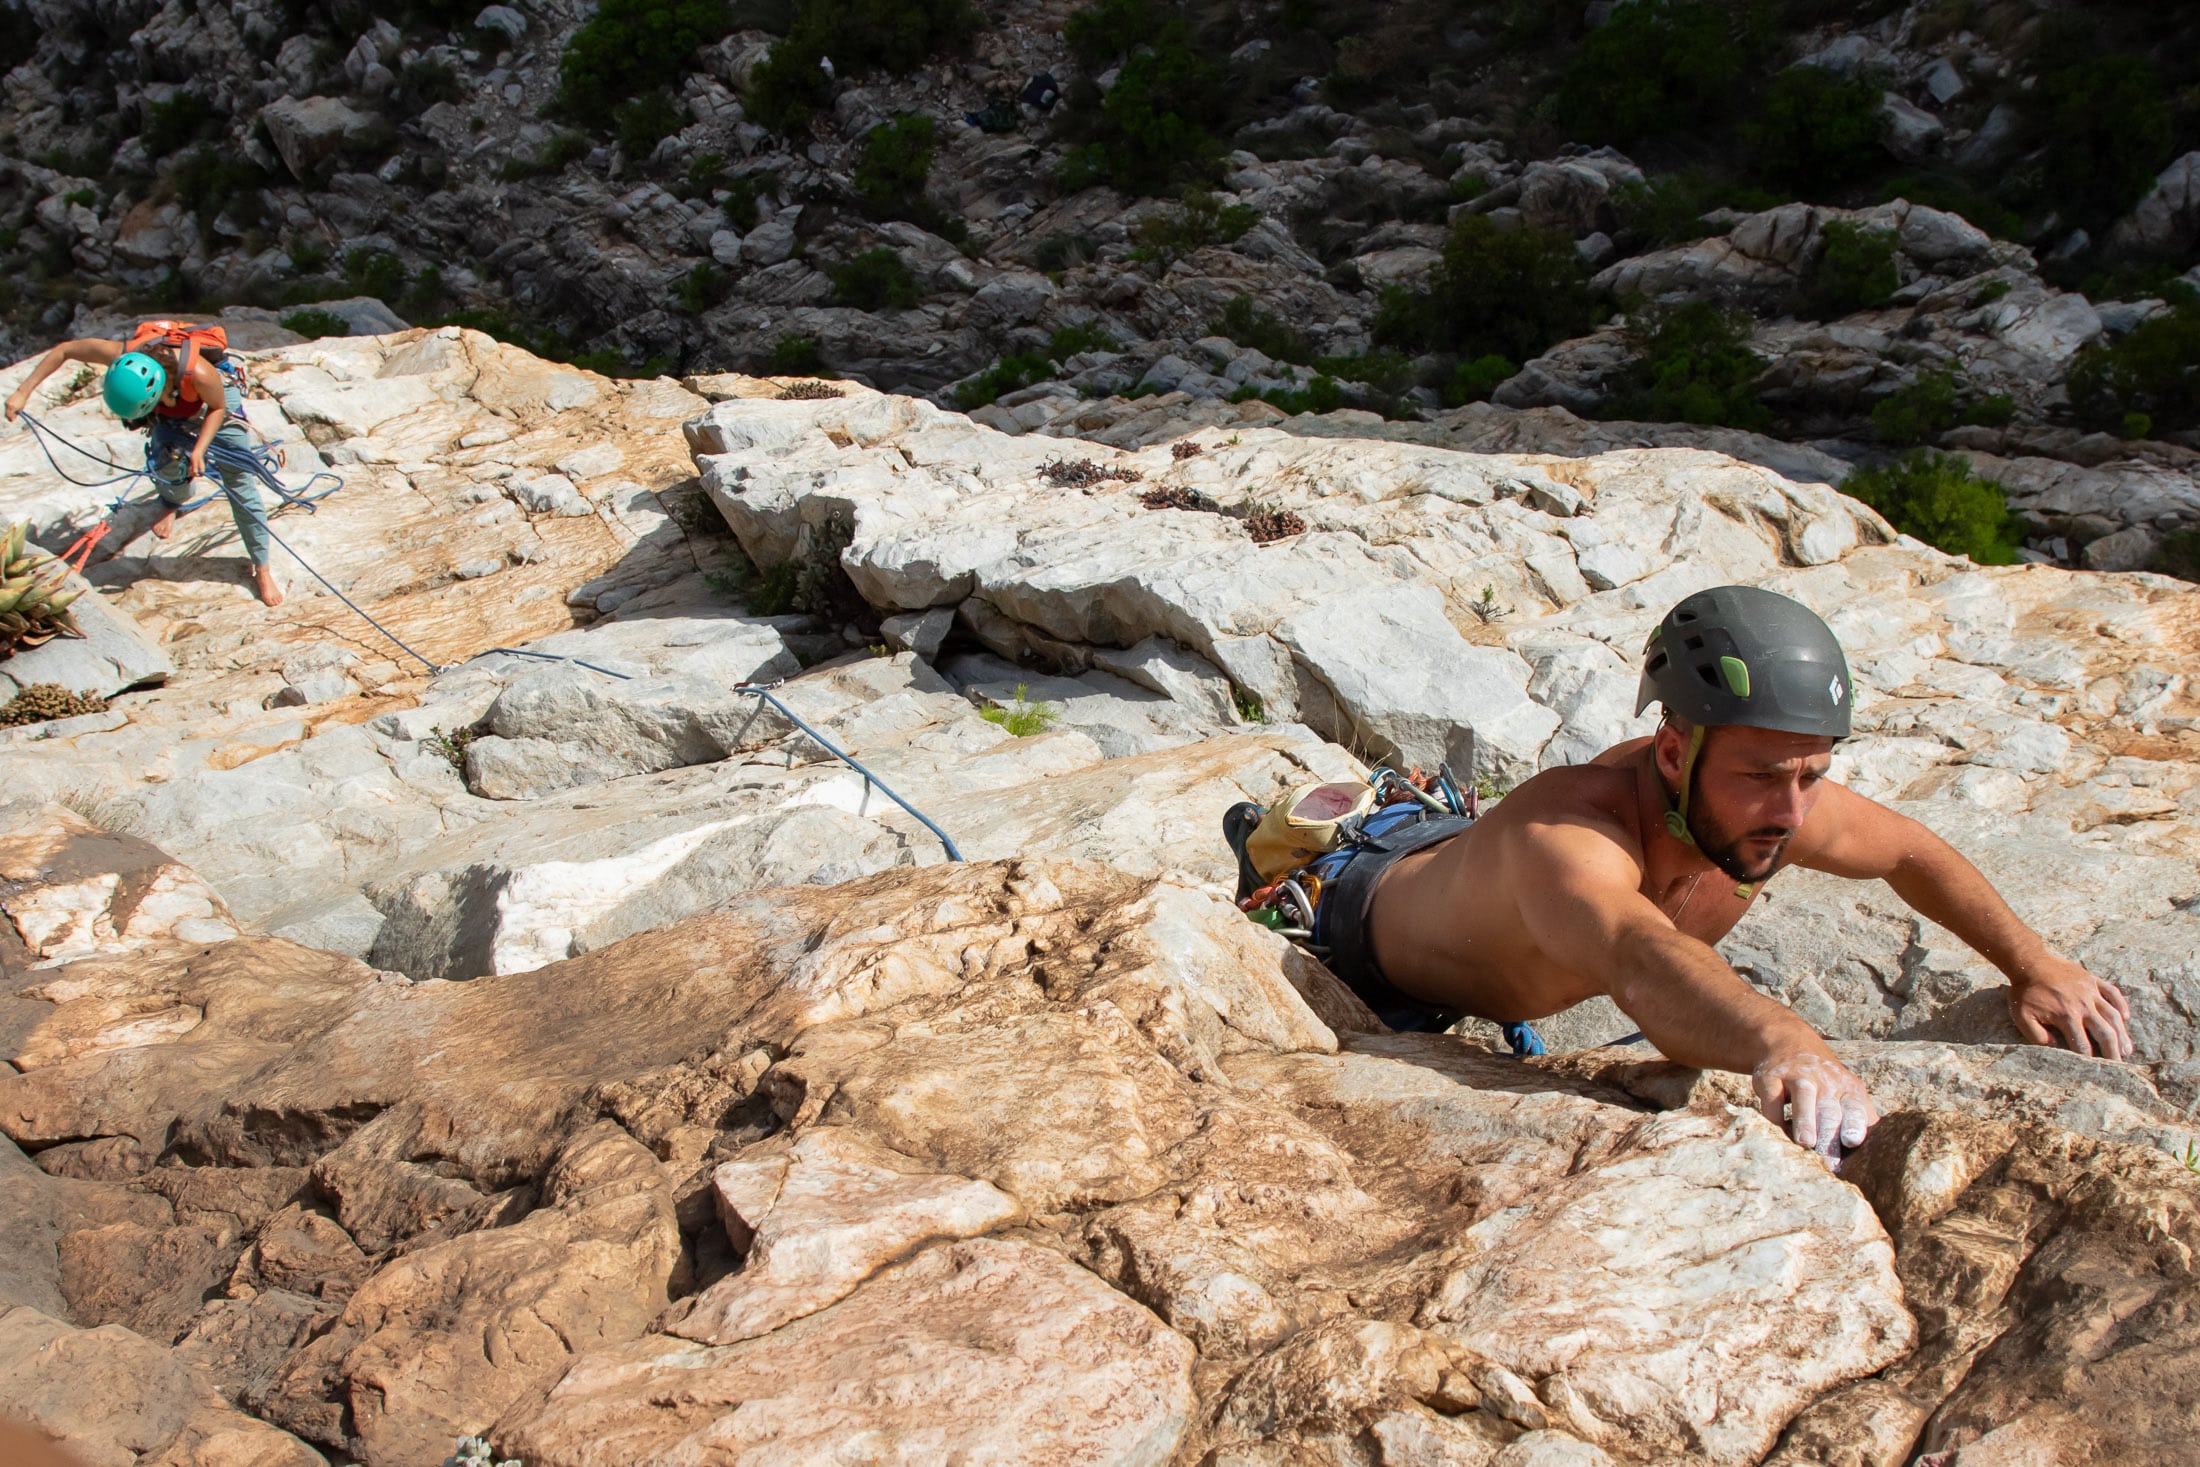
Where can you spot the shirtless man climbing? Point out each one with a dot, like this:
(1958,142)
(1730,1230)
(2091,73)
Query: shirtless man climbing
(1617,876)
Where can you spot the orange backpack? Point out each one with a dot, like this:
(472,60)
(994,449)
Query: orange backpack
(190,343)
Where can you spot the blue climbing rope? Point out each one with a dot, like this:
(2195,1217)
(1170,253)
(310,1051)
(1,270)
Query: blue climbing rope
(250,461)
(762,691)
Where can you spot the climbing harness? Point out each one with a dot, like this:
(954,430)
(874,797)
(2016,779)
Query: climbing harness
(256,462)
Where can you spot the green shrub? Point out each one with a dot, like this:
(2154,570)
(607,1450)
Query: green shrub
(1201,220)
(741,196)
(2153,370)
(1388,372)
(425,83)
(897,158)
(1059,252)
(1954,195)
(1930,404)
(1153,130)
(860,36)
(706,174)
(2108,132)
(703,287)
(314,324)
(1474,381)
(1023,718)
(213,181)
(1011,373)
(1111,29)
(1083,336)
(875,280)
(1322,395)
(1817,129)
(1654,66)
(565,146)
(1245,322)
(1692,365)
(1936,497)
(424,296)
(1855,270)
(374,272)
(176,123)
(1505,292)
(2179,557)
(1670,209)
(631,47)
(640,125)
(794,355)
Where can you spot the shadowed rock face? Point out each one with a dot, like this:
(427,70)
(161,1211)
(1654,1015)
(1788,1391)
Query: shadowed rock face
(593,1062)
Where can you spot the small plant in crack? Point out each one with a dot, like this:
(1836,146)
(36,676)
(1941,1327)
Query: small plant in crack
(1023,718)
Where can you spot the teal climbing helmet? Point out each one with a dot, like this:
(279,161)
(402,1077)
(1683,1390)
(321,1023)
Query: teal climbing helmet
(133,386)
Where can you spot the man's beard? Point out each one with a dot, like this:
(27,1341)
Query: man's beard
(1724,850)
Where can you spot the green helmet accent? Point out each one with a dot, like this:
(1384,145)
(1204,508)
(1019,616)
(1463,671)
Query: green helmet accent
(133,386)
(1741,655)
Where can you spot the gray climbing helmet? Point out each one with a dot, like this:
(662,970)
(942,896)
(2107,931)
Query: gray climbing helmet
(1740,655)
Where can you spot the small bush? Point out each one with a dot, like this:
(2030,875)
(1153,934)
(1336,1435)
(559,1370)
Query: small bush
(703,287)
(1247,323)
(1474,381)
(1266,523)
(176,123)
(1202,220)
(2152,371)
(1059,252)
(1954,195)
(2108,132)
(2179,557)
(1930,404)
(1817,129)
(741,195)
(631,47)
(42,702)
(1388,372)
(875,280)
(1855,270)
(1083,473)
(1506,292)
(564,147)
(1322,395)
(640,125)
(216,181)
(1082,336)
(897,158)
(706,174)
(859,36)
(314,324)
(375,272)
(1654,66)
(809,390)
(794,356)
(1023,718)
(1670,209)
(1153,130)
(423,84)
(1936,497)
(1011,373)
(1692,365)
(1111,29)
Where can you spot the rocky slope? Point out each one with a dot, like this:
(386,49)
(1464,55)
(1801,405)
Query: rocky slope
(591,1061)
(448,162)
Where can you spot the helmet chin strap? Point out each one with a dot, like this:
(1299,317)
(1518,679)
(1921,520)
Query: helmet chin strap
(1676,814)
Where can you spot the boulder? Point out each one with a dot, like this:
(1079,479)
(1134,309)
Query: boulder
(2166,223)
(309,131)
(114,654)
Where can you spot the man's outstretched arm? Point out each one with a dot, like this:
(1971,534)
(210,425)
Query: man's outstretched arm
(2050,997)
(1581,897)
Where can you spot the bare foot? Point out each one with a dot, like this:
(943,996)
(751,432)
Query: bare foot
(263,583)
(165,525)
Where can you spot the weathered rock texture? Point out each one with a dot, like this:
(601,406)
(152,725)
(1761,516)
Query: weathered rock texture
(580,1055)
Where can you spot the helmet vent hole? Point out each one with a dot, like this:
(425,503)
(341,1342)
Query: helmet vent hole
(1710,678)
(1694,644)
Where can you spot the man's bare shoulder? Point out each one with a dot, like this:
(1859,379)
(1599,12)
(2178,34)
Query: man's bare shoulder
(1595,795)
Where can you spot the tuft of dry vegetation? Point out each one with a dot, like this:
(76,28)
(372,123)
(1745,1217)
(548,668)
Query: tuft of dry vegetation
(1183,449)
(1083,473)
(809,391)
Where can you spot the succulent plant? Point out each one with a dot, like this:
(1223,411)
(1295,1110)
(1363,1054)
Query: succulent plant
(41,702)
(34,595)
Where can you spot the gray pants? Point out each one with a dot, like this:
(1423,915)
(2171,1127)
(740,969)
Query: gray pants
(172,442)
